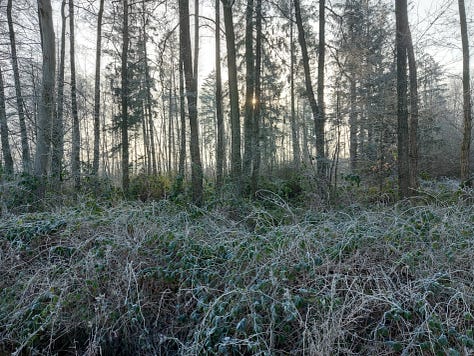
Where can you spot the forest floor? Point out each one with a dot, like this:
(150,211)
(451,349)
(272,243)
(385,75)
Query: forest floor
(262,278)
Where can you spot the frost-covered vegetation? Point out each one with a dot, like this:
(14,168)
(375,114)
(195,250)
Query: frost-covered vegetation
(260,277)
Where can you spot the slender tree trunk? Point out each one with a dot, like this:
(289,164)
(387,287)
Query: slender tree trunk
(25,150)
(7,155)
(466,85)
(402,83)
(196,45)
(258,93)
(191,91)
(236,160)
(294,126)
(76,135)
(58,126)
(307,73)
(320,122)
(250,91)
(220,152)
(98,56)
(353,143)
(124,98)
(182,116)
(413,123)
(47,97)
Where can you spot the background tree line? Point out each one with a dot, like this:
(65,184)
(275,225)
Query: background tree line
(343,89)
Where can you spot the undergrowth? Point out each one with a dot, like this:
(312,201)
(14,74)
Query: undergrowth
(267,278)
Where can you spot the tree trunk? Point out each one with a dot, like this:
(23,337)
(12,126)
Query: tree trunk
(353,142)
(191,90)
(307,74)
(294,126)
(7,155)
(98,56)
(47,101)
(258,94)
(413,123)
(58,126)
(402,111)
(76,135)
(320,122)
(220,153)
(124,99)
(25,150)
(182,116)
(466,85)
(250,91)
(236,160)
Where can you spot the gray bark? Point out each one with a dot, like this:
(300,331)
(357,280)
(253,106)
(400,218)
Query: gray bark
(124,99)
(191,91)
(413,118)
(76,135)
(466,84)
(45,116)
(320,122)
(236,159)
(58,126)
(7,155)
(307,73)
(250,91)
(402,111)
(98,56)
(25,150)
(220,154)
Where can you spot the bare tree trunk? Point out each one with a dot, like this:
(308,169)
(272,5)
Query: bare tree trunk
(466,84)
(124,98)
(353,123)
(182,115)
(320,122)
(307,73)
(258,94)
(236,160)
(191,90)
(294,126)
(58,126)
(250,91)
(47,91)
(7,154)
(402,82)
(196,45)
(98,56)
(413,123)
(220,154)
(25,150)
(76,135)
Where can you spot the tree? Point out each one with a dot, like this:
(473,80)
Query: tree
(294,127)
(191,95)
(236,160)
(46,104)
(124,100)
(98,56)
(467,122)
(320,121)
(7,155)
(402,108)
(309,84)
(76,134)
(25,150)
(58,123)
(220,148)
(250,90)
(413,123)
